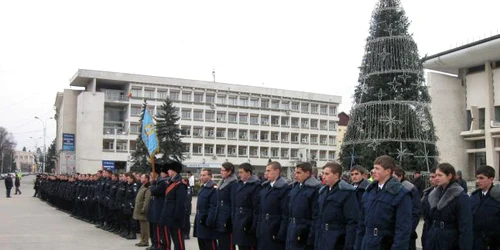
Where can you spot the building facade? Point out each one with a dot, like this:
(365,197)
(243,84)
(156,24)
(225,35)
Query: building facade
(465,90)
(25,161)
(220,122)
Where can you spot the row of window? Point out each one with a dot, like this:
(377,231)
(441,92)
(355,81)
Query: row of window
(255,135)
(250,151)
(228,99)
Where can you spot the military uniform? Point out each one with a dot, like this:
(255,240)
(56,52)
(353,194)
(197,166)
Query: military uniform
(245,216)
(204,222)
(486,218)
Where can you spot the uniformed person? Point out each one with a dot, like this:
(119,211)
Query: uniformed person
(416,207)
(206,209)
(246,208)
(337,213)
(130,193)
(273,206)
(486,210)
(425,204)
(113,207)
(225,192)
(450,213)
(385,215)
(358,180)
(158,188)
(174,208)
(301,208)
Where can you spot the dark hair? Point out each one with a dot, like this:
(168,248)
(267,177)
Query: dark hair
(360,169)
(246,167)
(228,166)
(275,165)
(334,167)
(147,176)
(131,176)
(398,170)
(447,169)
(116,175)
(486,170)
(386,162)
(209,172)
(433,170)
(305,166)
(99,171)
(417,172)
(109,171)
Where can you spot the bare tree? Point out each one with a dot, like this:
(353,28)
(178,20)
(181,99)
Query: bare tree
(7,147)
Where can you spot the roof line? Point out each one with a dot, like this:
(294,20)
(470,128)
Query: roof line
(491,38)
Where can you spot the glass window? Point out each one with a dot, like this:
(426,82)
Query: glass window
(254,102)
(264,103)
(285,105)
(210,98)
(134,128)
(136,92)
(221,132)
(174,95)
(186,96)
(135,110)
(244,118)
(243,101)
(209,115)
(221,99)
(232,117)
(314,108)
(254,120)
(333,110)
(332,126)
(197,115)
(221,150)
(323,110)
(162,94)
(221,116)
(186,114)
(264,120)
(233,100)
(197,149)
(295,106)
(149,93)
(231,133)
(304,107)
(275,104)
(481,118)
(198,97)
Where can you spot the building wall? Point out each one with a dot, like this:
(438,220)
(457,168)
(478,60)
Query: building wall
(449,116)
(89,132)
(496,86)
(66,123)
(25,161)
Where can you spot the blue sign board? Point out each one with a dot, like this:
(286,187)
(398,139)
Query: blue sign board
(68,142)
(110,165)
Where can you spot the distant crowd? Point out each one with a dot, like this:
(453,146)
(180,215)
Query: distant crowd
(380,209)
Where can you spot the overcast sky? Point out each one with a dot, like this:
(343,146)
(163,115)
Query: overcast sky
(311,46)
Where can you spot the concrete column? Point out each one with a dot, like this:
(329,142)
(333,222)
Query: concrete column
(491,155)
(92,85)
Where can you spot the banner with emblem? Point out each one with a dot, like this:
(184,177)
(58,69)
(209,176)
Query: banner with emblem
(148,133)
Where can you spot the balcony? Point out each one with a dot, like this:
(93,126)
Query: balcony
(115,96)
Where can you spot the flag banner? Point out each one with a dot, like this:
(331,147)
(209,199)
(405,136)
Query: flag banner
(149,136)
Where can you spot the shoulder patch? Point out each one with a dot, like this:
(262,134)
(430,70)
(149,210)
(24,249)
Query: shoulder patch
(495,192)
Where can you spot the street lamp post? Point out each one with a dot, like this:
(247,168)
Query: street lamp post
(44,123)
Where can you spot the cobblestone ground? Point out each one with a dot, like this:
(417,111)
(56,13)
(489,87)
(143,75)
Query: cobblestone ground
(28,223)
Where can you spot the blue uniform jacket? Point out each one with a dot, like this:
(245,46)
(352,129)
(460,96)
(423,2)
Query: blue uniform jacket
(224,199)
(173,214)
(302,214)
(451,218)
(206,207)
(486,218)
(157,199)
(426,208)
(246,211)
(130,193)
(385,217)
(273,206)
(337,220)
(416,206)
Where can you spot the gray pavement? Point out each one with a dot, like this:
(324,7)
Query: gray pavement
(28,223)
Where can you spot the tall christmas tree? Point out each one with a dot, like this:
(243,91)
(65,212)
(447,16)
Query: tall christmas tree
(140,155)
(391,112)
(169,133)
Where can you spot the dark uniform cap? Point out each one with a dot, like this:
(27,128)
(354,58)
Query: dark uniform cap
(175,165)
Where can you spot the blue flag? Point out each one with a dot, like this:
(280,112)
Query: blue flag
(149,136)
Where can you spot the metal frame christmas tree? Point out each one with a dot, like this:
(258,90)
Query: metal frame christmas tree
(391,111)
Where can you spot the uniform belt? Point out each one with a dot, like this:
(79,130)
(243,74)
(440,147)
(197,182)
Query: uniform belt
(444,225)
(295,220)
(378,231)
(331,226)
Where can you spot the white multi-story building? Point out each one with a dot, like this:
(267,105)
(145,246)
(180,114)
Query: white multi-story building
(465,91)
(220,122)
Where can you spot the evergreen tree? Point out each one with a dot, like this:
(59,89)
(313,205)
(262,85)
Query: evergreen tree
(391,112)
(51,155)
(169,133)
(140,156)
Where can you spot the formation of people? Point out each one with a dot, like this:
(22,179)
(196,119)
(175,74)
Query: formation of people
(244,211)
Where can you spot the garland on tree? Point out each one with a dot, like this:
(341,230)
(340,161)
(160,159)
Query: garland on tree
(391,112)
